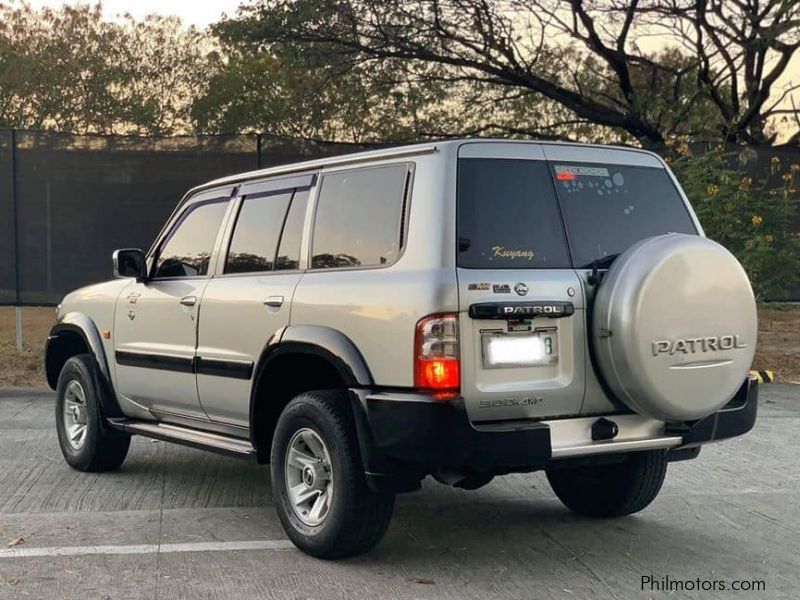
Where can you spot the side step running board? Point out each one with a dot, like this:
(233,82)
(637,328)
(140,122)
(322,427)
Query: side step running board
(186,436)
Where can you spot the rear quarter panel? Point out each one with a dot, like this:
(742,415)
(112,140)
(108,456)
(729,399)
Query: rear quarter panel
(378,308)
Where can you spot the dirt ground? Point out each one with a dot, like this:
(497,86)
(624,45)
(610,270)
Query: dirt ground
(779,341)
(24,369)
(778,344)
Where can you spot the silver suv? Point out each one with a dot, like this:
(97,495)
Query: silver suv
(463,309)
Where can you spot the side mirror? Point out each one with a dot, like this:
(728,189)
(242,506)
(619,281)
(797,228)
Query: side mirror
(130,263)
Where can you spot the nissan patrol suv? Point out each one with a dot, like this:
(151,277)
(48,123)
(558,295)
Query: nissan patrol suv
(464,309)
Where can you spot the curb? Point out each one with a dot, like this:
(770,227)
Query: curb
(764,376)
(25,392)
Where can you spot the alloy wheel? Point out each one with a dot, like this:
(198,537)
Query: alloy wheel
(309,478)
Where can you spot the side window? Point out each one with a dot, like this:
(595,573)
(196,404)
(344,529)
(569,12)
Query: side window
(255,236)
(288,258)
(187,249)
(359,217)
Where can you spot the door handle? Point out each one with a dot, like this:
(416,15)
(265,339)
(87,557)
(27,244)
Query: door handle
(274,301)
(189,300)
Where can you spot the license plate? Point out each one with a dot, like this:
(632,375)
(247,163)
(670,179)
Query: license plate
(509,350)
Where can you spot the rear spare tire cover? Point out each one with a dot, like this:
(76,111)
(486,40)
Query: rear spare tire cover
(674,327)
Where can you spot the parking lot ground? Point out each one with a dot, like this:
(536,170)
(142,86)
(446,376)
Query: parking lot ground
(180,523)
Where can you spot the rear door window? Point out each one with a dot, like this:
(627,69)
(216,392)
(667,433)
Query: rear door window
(289,250)
(358,221)
(508,216)
(255,237)
(608,208)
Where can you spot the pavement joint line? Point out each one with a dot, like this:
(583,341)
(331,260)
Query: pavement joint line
(56,551)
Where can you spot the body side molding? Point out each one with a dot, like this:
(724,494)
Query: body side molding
(234,369)
(162,362)
(202,366)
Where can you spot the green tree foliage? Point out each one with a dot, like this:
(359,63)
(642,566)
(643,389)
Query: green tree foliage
(300,95)
(167,67)
(313,91)
(756,220)
(71,70)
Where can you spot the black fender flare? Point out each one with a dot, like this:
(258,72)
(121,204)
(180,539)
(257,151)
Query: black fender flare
(83,325)
(317,340)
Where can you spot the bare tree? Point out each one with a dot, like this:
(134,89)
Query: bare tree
(738,50)
(588,58)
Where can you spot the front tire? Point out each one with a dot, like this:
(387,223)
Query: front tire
(611,490)
(87,443)
(318,483)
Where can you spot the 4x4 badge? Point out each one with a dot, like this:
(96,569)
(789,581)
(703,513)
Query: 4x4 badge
(521,289)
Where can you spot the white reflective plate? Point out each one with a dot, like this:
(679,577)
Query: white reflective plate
(533,349)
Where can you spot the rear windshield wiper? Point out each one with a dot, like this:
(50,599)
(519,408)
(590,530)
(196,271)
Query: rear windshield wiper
(603,262)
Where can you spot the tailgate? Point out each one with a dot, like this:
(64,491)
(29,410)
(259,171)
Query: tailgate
(522,319)
(522,356)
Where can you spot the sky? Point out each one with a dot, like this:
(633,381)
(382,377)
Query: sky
(195,12)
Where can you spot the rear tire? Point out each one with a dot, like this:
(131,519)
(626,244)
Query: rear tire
(87,443)
(325,465)
(611,490)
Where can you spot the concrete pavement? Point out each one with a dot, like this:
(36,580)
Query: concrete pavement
(180,523)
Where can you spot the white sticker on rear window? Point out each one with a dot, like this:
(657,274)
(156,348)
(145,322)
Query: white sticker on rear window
(581,171)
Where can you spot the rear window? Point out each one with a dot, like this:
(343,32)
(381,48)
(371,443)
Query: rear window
(509,212)
(608,208)
(508,216)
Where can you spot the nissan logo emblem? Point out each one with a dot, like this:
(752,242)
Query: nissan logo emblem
(521,289)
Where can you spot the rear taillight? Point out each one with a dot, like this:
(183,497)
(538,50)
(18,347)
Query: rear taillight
(436,363)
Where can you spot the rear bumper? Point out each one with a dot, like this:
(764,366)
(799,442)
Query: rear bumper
(734,419)
(413,429)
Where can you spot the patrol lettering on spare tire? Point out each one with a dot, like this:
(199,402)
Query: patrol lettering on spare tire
(702,344)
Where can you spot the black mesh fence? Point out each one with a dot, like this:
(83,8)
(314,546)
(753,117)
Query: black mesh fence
(68,201)
(8,287)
